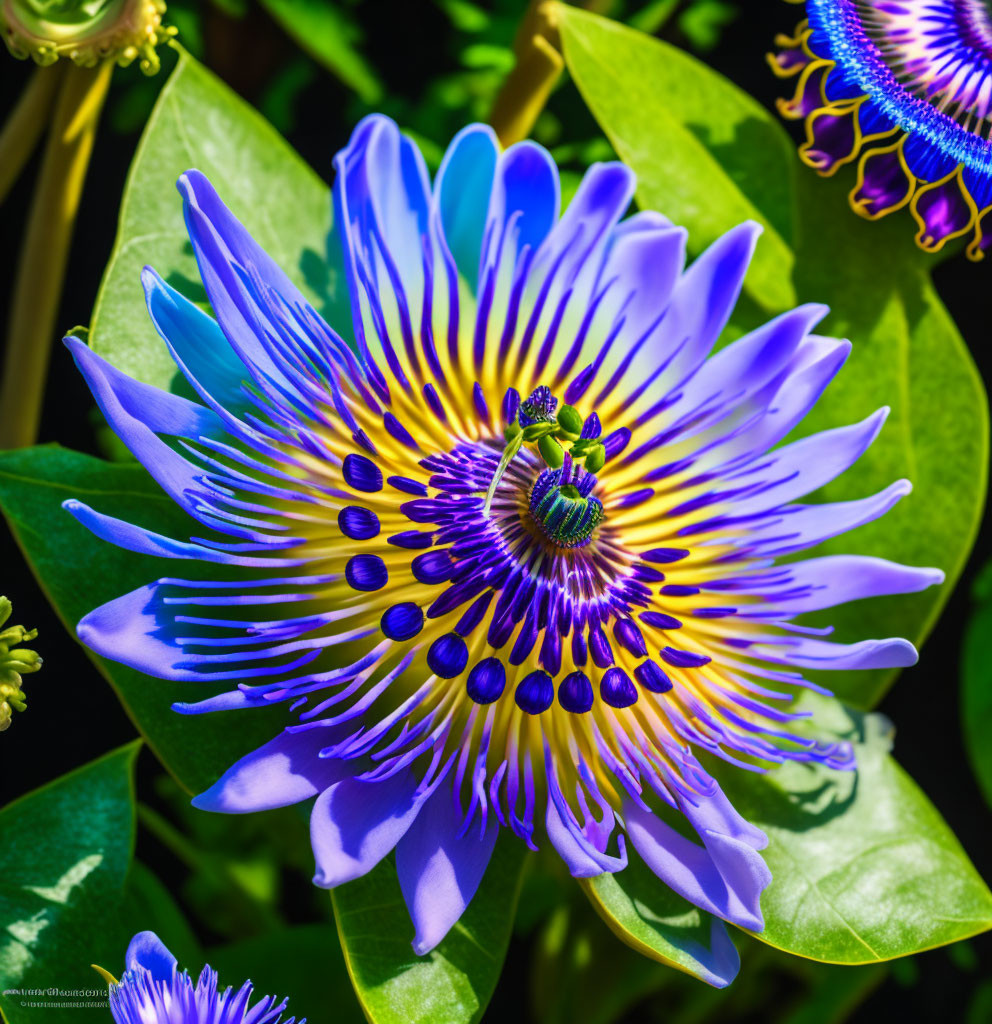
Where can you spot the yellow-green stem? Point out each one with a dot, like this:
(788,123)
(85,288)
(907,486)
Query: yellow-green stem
(41,268)
(528,86)
(26,122)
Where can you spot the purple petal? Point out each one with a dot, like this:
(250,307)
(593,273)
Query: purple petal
(281,772)
(439,871)
(354,824)
(147,952)
(725,876)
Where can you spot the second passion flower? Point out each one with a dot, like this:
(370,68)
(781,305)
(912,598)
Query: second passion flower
(506,545)
(907,86)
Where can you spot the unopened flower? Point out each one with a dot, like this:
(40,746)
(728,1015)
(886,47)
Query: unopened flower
(471,631)
(14,662)
(153,990)
(906,85)
(86,31)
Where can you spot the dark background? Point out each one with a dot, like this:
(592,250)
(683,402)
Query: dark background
(73,715)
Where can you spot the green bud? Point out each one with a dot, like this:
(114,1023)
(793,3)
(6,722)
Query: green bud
(569,419)
(510,432)
(596,459)
(85,31)
(538,430)
(14,662)
(551,451)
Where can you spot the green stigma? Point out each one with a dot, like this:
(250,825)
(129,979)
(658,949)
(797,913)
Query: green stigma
(13,664)
(565,515)
(85,31)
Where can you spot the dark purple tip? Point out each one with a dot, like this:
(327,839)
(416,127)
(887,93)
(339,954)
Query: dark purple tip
(486,681)
(678,590)
(652,678)
(628,636)
(366,572)
(664,555)
(617,690)
(599,647)
(474,615)
(412,539)
(358,523)
(511,403)
(402,621)
(575,693)
(660,620)
(362,473)
(408,486)
(616,442)
(433,567)
(683,659)
(580,651)
(535,693)
(448,656)
(648,573)
(592,428)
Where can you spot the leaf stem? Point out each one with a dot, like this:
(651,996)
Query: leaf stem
(45,248)
(528,86)
(26,122)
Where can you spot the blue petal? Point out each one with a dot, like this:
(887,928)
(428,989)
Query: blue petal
(137,411)
(354,824)
(197,344)
(439,870)
(147,952)
(284,771)
(725,876)
(381,216)
(462,189)
(836,579)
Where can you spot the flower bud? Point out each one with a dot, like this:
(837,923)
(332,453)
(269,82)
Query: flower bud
(86,31)
(13,663)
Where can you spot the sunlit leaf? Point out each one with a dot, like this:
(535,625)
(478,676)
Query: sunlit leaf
(863,867)
(658,923)
(455,981)
(65,851)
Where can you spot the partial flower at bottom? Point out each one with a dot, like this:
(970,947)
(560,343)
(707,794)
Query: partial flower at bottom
(153,990)
(506,546)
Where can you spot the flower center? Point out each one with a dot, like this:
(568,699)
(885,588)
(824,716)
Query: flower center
(562,505)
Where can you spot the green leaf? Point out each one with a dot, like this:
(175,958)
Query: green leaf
(659,923)
(455,981)
(666,112)
(331,36)
(705,153)
(303,964)
(198,122)
(79,572)
(976,683)
(574,953)
(65,851)
(863,867)
(907,354)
